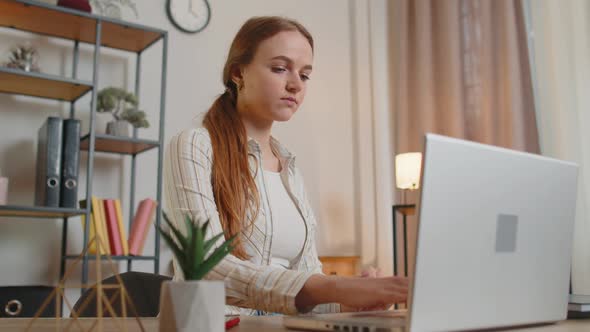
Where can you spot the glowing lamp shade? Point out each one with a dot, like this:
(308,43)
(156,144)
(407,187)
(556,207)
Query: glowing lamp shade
(407,170)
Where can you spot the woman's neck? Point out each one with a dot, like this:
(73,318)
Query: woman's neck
(261,133)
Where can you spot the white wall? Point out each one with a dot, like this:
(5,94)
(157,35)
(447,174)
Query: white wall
(322,134)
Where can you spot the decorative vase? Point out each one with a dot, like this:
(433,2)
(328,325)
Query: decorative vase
(3,190)
(29,64)
(100,122)
(113,8)
(113,11)
(119,128)
(192,306)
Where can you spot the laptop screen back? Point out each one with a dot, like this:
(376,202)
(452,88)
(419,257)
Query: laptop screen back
(495,237)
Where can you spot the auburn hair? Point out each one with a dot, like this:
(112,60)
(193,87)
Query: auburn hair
(234,188)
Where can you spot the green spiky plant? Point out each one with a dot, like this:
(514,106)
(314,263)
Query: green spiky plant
(192,250)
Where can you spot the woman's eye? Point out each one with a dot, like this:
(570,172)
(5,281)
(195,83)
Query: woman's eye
(278,69)
(305,77)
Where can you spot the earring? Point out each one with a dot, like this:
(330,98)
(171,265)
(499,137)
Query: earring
(239,84)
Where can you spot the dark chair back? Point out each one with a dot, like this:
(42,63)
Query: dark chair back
(143,289)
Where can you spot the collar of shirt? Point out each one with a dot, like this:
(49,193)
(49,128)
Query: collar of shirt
(286,158)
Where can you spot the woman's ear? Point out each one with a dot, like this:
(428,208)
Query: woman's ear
(236,75)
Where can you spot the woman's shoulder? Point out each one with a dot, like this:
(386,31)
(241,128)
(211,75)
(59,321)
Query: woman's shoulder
(197,137)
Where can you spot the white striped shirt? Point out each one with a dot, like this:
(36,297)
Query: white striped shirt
(253,283)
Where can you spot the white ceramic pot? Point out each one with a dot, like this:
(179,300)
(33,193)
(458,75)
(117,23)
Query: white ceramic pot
(119,128)
(192,306)
(100,122)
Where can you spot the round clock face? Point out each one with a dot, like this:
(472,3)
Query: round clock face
(189,15)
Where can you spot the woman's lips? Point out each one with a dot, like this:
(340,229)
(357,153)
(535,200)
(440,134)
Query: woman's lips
(290,101)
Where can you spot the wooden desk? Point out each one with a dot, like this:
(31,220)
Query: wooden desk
(247,324)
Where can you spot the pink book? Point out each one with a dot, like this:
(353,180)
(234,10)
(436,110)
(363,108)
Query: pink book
(150,221)
(141,222)
(113,227)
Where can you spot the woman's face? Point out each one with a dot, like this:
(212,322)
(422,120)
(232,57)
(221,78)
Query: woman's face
(274,83)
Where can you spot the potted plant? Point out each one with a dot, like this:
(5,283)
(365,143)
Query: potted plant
(123,107)
(23,57)
(193,304)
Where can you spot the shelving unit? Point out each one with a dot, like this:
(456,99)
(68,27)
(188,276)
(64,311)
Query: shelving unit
(76,26)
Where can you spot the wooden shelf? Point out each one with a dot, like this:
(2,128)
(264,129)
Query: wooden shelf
(116,258)
(72,24)
(38,211)
(20,82)
(117,144)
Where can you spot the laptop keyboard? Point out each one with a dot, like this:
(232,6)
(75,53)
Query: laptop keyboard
(383,314)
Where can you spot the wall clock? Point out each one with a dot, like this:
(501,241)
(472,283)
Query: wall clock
(189,16)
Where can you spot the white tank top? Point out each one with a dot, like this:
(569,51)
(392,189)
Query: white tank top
(289,232)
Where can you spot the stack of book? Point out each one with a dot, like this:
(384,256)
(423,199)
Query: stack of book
(578,306)
(58,154)
(107,225)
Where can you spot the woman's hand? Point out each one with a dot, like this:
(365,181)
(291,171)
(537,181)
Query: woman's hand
(367,294)
(369,272)
(354,294)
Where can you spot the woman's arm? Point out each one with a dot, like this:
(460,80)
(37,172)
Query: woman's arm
(321,292)
(352,292)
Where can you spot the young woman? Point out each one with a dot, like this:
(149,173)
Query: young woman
(234,173)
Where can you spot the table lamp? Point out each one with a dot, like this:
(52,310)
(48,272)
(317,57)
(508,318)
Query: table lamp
(407,171)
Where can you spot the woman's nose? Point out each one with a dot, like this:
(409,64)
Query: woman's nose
(294,84)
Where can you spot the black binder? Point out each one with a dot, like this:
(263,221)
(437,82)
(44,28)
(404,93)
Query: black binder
(49,163)
(70,163)
(25,301)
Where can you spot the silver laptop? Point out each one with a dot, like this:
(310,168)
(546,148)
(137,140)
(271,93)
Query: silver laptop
(494,244)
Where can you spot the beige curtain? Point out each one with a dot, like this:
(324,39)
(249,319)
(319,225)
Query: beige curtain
(459,68)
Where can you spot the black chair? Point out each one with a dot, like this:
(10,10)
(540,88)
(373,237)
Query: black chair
(142,288)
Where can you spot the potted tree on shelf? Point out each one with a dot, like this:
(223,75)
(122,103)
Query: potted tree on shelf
(123,107)
(193,304)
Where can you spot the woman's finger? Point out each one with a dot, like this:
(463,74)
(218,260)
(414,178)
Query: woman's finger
(378,273)
(370,272)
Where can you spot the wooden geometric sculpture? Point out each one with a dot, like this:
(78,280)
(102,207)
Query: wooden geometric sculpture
(102,300)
